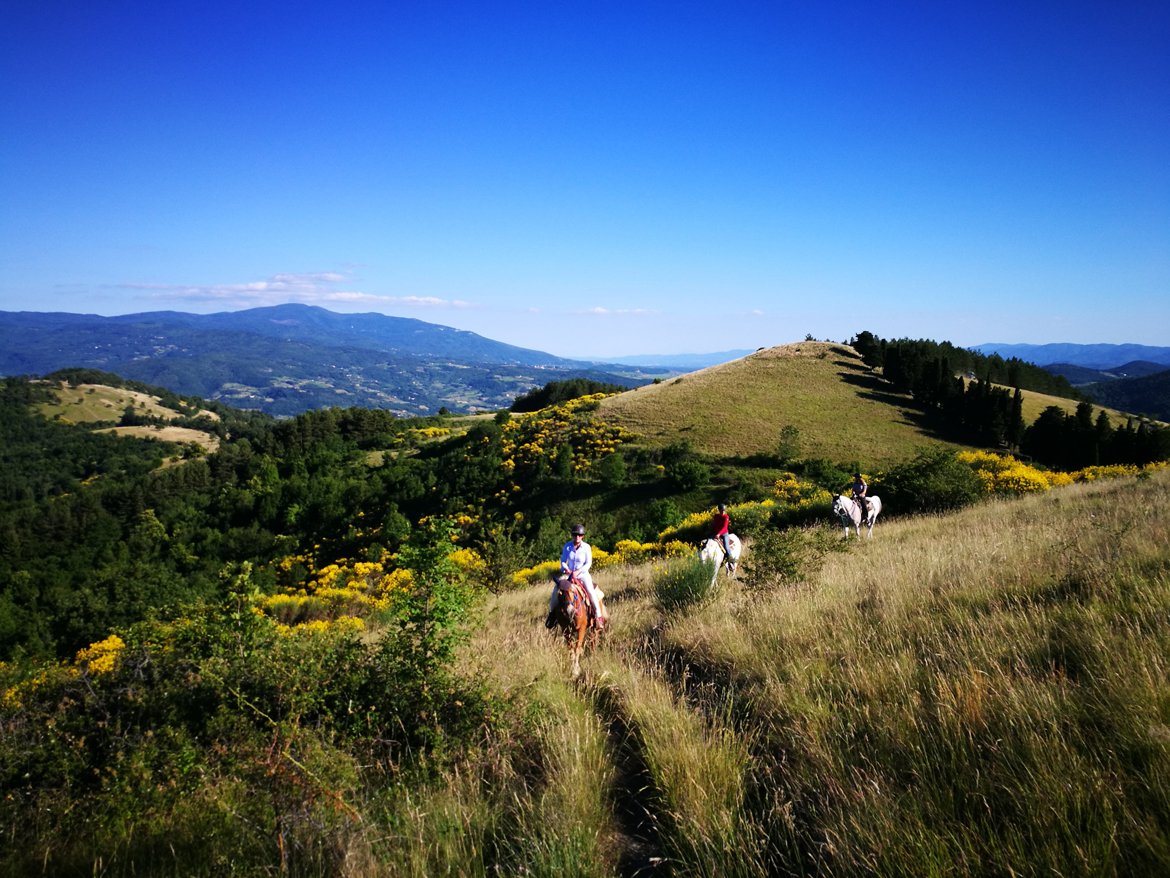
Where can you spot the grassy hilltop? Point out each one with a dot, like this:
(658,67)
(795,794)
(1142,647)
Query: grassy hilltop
(843,412)
(842,409)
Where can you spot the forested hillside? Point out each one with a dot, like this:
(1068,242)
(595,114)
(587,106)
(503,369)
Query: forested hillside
(1149,395)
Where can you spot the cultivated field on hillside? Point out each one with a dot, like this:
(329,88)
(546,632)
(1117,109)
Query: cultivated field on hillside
(843,412)
(981,693)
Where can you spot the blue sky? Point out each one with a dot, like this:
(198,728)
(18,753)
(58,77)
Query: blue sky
(597,179)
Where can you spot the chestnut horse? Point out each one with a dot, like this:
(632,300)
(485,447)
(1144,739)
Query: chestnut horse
(573,613)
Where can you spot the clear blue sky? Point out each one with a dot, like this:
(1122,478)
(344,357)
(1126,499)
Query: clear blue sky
(597,179)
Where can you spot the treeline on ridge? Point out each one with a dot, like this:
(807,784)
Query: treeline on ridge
(913,365)
(562,391)
(989,406)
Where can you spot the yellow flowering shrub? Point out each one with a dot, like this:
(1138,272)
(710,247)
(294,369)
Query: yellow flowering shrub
(791,490)
(101,657)
(468,560)
(1003,474)
(1112,471)
(542,571)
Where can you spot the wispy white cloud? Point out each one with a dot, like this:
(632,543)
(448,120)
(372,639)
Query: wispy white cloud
(756,313)
(317,287)
(606,312)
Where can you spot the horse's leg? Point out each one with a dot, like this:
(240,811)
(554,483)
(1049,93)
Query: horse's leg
(579,647)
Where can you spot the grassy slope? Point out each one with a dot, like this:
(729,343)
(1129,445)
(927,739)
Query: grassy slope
(98,402)
(982,693)
(843,413)
(209,441)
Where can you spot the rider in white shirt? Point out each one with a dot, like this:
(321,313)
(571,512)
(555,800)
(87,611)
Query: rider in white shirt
(576,559)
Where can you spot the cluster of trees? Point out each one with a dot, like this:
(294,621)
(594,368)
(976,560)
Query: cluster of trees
(562,391)
(914,364)
(1071,442)
(989,406)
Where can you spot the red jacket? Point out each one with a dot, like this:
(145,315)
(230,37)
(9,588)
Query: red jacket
(720,523)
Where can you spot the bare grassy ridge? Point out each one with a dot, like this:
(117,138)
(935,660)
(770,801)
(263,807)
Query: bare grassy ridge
(824,390)
(209,441)
(100,402)
(843,411)
(982,693)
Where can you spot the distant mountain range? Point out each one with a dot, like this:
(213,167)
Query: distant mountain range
(287,359)
(1078,375)
(1105,357)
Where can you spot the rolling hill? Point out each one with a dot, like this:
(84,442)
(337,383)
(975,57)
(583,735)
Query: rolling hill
(842,410)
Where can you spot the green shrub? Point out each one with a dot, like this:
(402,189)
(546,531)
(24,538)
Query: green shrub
(788,557)
(611,469)
(687,475)
(684,583)
(935,481)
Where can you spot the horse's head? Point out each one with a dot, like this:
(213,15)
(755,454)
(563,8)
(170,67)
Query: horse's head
(839,506)
(566,605)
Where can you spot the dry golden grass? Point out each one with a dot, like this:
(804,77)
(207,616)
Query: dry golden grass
(979,693)
(99,402)
(209,441)
(822,389)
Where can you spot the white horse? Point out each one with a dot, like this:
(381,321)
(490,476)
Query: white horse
(712,550)
(849,511)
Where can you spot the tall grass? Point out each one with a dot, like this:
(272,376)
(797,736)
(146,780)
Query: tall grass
(986,692)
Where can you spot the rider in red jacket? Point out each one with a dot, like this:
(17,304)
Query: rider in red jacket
(720,526)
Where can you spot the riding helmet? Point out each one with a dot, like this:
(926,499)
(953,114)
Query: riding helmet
(577,529)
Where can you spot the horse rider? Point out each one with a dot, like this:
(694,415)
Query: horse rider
(720,528)
(859,489)
(576,559)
